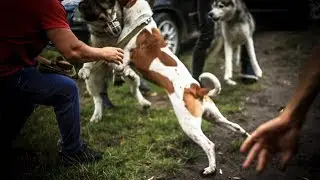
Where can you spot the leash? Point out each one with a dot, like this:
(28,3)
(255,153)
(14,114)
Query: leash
(121,44)
(126,39)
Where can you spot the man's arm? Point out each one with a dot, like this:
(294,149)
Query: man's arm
(73,49)
(52,19)
(306,91)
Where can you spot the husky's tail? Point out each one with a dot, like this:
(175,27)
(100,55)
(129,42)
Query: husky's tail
(210,81)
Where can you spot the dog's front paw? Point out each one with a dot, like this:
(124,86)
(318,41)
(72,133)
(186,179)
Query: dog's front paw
(146,105)
(84,73)
(230,82)
(209,170)
(96,117)
(259,73)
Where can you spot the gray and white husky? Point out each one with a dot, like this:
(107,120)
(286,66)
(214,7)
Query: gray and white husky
(104,20)
(236,26)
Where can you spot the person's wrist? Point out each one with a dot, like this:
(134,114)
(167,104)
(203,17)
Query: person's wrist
(292,118)
(103,54)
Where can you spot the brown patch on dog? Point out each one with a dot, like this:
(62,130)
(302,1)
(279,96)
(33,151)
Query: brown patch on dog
(148,48)
(192,98)
(126,3)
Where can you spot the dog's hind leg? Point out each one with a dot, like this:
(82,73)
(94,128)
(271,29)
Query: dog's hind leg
(212,113)
(253,58)
(192,128)
(96,85)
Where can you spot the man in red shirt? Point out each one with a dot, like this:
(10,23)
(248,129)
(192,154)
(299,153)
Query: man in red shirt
(26,28)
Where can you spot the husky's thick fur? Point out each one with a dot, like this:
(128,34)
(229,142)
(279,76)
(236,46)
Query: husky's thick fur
(104,19)
(148,53)
(236,26)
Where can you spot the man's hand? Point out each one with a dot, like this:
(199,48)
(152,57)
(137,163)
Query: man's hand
(113,54)
(276,135)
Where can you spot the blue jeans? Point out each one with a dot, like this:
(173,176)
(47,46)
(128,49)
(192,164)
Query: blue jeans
(19,93)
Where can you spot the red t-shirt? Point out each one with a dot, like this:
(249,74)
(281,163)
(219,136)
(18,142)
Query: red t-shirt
(23,31)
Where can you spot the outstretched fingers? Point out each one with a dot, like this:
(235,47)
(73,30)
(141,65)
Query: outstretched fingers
(256,148)
(263,159)
(285,158)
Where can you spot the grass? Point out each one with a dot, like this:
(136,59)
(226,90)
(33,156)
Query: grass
(136,144)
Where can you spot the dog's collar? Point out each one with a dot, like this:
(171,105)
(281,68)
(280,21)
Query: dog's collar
(121,44)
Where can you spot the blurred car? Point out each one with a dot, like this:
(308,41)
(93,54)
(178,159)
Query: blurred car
(177,19)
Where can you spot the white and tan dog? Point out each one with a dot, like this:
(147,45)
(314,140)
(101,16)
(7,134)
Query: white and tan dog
(148,54)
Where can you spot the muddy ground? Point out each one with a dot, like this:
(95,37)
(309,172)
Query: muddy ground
(281,54)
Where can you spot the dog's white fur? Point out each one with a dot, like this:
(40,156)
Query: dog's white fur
(96,76)
(236,30)
(181,79)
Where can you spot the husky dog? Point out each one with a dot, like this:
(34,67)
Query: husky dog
(236,25)
(104,20)
(148,53)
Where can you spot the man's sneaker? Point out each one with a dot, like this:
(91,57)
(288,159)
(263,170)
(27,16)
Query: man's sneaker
(247,74)
(248,79)
(83,156)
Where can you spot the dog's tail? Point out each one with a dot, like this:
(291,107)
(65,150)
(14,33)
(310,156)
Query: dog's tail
(210,81)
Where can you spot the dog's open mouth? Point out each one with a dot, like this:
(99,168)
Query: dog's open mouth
(215,19)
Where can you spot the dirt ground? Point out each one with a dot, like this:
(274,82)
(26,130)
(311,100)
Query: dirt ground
(281,55)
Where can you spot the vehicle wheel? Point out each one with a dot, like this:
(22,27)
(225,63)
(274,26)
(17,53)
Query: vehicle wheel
(169,29)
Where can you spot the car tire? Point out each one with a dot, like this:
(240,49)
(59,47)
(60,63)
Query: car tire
(169,29)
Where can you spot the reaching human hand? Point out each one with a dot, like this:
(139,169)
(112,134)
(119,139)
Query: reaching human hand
(278,135)
(113,54)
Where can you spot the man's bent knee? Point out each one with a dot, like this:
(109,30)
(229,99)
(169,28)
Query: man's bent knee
(68,88)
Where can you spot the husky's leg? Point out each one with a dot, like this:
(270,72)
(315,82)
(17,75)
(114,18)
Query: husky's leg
(253,59)
(96,85)
(228,63)
(135,80)
(217,47)
(238,55)
(212,113)
(192,128)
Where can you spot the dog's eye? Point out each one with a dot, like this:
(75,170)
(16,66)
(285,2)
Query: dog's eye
(221,5)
